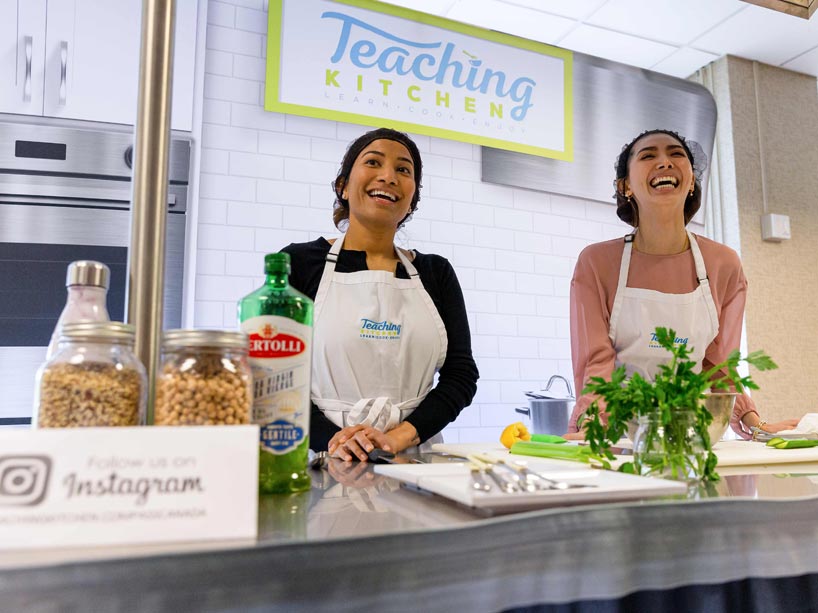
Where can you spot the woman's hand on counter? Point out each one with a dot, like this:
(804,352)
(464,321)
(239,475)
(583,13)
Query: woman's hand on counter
(402,436)
(787,424)
(355,442)
(752,420)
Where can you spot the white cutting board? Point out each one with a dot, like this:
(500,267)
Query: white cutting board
(496,450)
(749,453)
(453,480)
(729,453)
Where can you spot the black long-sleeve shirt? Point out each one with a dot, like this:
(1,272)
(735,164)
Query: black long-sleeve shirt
(457,378)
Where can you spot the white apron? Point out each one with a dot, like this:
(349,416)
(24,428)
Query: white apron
(377,343)
(637,312)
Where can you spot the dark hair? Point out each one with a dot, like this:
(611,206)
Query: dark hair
(340,211)
(626,208)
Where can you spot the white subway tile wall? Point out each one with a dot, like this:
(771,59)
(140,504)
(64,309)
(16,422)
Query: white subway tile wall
(265,182)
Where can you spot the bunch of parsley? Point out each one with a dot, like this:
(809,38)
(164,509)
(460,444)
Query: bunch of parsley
(675,388)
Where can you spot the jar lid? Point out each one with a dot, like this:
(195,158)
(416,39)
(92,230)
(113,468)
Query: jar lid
(88,272)
(98,330)
(175,339)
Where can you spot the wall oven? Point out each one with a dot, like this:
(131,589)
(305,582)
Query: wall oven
(65,195)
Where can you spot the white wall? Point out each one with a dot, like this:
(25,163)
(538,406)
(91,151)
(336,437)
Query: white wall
(265,182)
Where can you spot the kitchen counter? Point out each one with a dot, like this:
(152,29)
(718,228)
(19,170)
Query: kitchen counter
(358,540)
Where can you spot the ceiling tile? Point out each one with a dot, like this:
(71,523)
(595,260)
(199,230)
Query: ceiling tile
(433,7)
(575,9)
(512,19)
(615,46)
(684,62)
(807,63)
(668,36)
(664,20)
(761,34)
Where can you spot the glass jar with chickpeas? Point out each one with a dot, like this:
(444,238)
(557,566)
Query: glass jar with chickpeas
(204,379)
(94,379)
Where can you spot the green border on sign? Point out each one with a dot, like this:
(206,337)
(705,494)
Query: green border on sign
(271,92)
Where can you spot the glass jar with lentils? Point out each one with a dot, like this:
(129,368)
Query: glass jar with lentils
(94,379)
(204,379)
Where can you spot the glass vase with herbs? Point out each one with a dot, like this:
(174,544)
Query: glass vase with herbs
(671,438)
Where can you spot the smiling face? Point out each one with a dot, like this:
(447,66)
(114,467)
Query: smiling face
(381,184)
(659,173)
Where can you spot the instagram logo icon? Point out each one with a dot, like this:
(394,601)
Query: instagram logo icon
(23,479)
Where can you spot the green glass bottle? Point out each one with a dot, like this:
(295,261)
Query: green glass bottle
(278,322)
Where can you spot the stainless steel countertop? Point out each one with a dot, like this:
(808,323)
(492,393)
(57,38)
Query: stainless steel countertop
(348,500)
(359,539)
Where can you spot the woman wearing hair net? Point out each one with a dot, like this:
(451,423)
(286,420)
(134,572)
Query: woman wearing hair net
(660,275)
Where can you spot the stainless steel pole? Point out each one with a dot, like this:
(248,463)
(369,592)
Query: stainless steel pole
(146,259)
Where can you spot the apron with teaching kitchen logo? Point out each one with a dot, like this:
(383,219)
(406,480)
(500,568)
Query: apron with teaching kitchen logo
(377,342)
(638,312)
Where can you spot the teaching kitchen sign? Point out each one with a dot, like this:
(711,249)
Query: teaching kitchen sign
(361,61)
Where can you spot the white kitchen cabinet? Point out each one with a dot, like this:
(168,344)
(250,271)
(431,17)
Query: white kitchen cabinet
(22,56)
(91,59)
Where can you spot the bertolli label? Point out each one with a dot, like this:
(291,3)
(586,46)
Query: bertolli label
(280,356)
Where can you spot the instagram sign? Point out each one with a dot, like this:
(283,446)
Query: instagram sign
(23,479)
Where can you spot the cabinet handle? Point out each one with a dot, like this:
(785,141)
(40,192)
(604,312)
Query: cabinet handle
(63,69)
(29,42)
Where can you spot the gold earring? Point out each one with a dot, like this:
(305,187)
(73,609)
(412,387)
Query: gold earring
(692,189)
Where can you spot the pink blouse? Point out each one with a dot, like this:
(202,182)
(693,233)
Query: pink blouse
(593,289)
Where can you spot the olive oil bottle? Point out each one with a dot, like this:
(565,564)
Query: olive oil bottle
(278,321)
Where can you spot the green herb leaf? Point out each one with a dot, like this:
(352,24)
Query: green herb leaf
(628,468)
(761,361)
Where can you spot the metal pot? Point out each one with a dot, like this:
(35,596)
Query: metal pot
(549,415)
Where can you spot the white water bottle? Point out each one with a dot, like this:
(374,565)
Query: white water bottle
(87,284)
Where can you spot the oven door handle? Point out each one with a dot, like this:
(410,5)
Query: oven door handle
(67,195)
